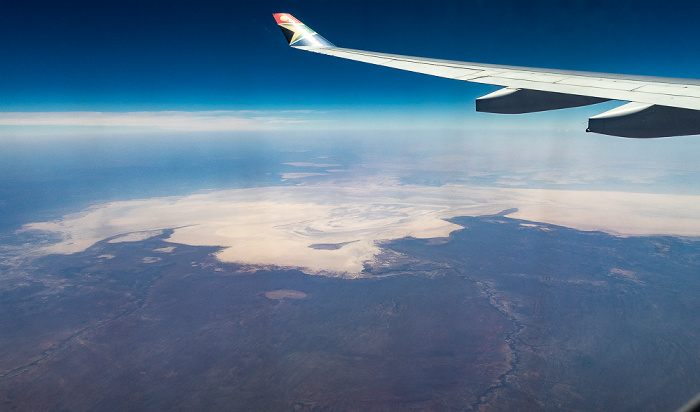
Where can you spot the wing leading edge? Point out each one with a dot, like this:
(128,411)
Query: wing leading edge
(658,106)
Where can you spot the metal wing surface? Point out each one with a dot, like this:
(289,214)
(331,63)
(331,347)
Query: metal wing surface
(658,106)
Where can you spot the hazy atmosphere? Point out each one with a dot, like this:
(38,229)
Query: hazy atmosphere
(193,215)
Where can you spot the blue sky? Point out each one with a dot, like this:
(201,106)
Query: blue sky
(229,55)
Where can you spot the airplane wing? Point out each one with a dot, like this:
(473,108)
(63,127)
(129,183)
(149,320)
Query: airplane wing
(658,106)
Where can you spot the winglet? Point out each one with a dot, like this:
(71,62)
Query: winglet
(298,34)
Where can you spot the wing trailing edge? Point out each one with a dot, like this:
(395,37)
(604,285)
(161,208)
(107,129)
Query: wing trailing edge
(659,106)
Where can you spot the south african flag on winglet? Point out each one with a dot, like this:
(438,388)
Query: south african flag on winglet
(299,34)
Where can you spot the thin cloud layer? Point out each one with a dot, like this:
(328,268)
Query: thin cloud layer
(308,164)
(279,225)
(221,120)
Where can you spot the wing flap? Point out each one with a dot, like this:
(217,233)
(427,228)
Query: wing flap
(431,69)
(601,83)
(671,90)
(532,76)
(478,74)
